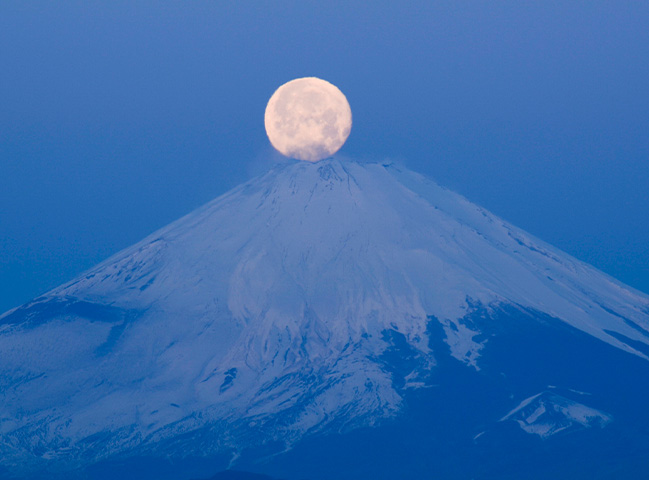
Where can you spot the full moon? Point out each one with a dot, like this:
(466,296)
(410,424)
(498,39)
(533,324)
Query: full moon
(308,119)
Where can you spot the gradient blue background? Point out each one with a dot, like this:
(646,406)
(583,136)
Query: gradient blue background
(118,117)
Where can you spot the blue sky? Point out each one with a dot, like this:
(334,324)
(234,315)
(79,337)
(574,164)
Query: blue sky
(118,117)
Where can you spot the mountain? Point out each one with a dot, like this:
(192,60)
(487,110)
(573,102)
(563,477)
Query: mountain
(328,321)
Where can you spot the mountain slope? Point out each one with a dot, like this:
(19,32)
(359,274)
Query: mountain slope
(300,303)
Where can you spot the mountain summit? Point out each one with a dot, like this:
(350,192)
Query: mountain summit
(311,306)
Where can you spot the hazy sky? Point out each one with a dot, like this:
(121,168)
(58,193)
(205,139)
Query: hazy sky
(118,117)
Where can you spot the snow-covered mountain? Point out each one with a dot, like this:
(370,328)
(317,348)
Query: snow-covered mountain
(314,301)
